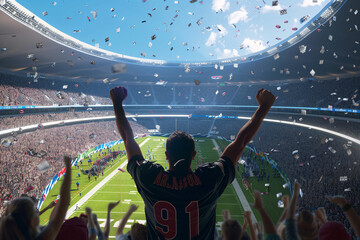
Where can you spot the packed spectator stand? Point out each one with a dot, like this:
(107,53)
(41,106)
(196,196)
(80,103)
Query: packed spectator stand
(19,168)
(318,171)
(314,93)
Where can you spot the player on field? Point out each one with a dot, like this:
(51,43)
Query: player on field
(181,203)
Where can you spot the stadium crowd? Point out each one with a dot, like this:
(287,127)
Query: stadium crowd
(322,164)
(46,93)
(316,223)
(19,96)
(7,122)
(320,172)
(19,161)
(318,94)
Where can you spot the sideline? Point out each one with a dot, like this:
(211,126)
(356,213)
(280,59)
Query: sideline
(239,192)
(97,187)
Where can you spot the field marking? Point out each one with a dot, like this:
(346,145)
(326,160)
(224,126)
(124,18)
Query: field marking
(232,215)
(103,200)
(239,192)
(115,192)
(113,212)
(97,187)
(120,185)
(75,195)
(232,204)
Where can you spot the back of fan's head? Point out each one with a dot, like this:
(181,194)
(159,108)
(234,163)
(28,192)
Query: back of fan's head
(231,230)
(138,232)
(180,148)
(16,224)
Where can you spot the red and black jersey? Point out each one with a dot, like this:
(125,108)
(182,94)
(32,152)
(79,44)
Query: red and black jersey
(180,206)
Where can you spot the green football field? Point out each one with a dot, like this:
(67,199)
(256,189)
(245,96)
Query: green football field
(116,185)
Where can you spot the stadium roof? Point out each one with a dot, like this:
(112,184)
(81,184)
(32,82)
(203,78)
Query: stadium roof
(325,48)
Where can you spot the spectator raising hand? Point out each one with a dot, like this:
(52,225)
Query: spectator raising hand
(50,206)
(320,214)
(91,224)
(226,214)
(258,204)
(265,98)
(285,200)
(100,233)
(291,227)
(350,212)
(138,231)
(248,220)
(125,218)
(111,206)
(22,219)
(268,224)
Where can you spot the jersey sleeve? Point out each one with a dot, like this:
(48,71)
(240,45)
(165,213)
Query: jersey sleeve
(142,170)
(228,175)
(133,163)
(215,178)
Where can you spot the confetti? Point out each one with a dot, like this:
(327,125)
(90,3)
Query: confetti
(304,18)
(302,48)
(283,11)
(43,166)
(322,50)
(94,13)
(312,72)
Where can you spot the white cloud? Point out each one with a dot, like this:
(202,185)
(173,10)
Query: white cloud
(253,45)
(241,15)
(310,3)
(254,28)
(220,4)
(268,8)
(211,40)
(214,36)
(226,53)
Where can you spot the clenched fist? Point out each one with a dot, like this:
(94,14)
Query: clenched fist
(265,98)
(118,94)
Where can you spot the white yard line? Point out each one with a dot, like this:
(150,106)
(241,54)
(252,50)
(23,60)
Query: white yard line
(237,188)
(119,185)
(112,212)
(113,192)
(102,200)
(97,187)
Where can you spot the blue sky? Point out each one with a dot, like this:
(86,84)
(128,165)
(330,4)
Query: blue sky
(199,31)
